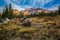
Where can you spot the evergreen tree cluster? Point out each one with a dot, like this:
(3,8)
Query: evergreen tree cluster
(8,12)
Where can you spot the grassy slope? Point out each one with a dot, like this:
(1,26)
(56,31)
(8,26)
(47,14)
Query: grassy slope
(50,31)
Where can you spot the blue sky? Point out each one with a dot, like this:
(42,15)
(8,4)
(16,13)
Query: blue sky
(25,4)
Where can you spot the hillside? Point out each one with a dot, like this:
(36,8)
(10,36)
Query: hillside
(16,12)
(33,11)
(44,28)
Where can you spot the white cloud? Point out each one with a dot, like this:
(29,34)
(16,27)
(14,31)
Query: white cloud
(18,7)
(16,1)
(1,9)
(34,2)
(41,3)
(27,6)
(53,8)
(44,1)
(7,1)
(15,6)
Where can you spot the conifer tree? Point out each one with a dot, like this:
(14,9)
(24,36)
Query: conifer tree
(5,12)
(59,10)
(10,13)
(3,15)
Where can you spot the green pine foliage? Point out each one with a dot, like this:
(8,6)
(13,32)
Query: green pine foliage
(59,10)
(8,12)
(5,12)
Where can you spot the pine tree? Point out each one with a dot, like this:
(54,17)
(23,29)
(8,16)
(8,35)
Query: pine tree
(59,10)
(0,16)
(3,15)
(5,12)
(10,11)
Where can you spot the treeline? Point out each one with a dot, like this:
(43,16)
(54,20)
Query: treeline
(8,13)
(45,14)
(42,14)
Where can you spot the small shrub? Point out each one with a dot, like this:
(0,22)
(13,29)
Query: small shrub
(26,24)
